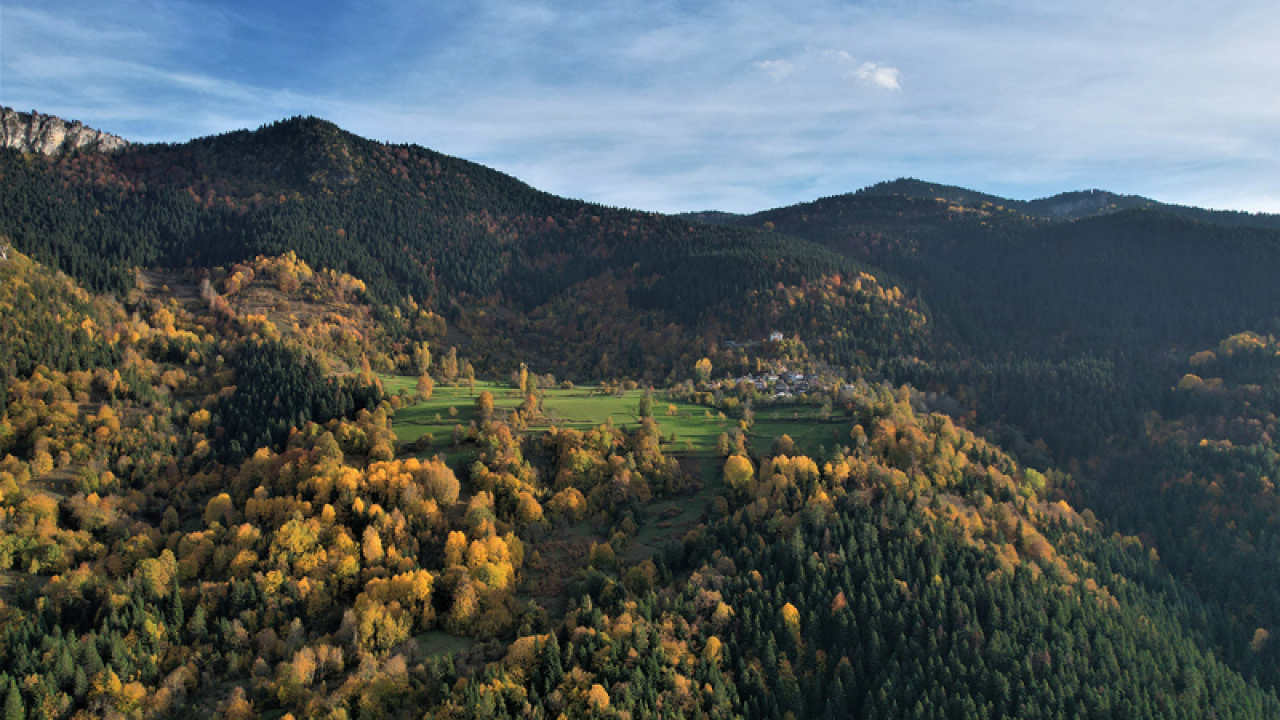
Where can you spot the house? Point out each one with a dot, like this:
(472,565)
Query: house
(775,336)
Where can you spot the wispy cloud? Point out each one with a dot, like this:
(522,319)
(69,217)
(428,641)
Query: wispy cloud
(776,69)
(817,64)
(672,105)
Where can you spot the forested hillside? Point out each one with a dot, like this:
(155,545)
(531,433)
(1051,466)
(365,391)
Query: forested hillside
(912,570)
(1068,339)
(1130,281)
(425,233)
(1065,330)
(296,424)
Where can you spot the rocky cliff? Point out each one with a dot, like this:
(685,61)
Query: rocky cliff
(49,135)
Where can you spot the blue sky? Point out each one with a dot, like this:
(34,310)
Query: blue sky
(676,106)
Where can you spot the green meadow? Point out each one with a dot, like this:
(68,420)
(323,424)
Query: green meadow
(803,424)
(686,428)
(437,643)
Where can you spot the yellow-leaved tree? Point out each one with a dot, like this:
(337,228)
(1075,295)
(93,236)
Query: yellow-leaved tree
(738,472)
(791,618)
(702,369)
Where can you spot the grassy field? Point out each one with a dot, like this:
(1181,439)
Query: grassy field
(446,407)
(803,424)
(581,408)
(669,519)
(437,644)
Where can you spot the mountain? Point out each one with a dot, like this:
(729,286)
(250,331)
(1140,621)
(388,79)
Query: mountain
(297,423)
(1132,290)
(1129,279)
(1072,341)
(50,135)
(517,268)
(1068,205)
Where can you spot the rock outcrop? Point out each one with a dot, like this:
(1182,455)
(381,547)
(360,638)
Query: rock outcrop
(50,135)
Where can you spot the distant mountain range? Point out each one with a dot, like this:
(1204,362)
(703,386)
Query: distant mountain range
(1072,205)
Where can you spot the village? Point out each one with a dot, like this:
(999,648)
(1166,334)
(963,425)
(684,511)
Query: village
(780,384)
(783,384)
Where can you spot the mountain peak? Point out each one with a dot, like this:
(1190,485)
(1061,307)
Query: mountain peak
(35,132)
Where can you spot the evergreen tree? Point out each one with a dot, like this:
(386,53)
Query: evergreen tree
(13,709)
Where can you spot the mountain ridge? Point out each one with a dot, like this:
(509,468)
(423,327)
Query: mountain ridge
(422,230)
(1064,206)
(36,132)
(45,134)
(1071,204)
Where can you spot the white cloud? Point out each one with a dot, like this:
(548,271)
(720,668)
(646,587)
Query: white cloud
(776,69)
(839,57)
(866,73)
(881,76)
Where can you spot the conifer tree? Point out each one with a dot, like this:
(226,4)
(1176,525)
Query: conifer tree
(13,709)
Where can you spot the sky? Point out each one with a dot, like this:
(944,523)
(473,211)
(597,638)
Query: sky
(673,106)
